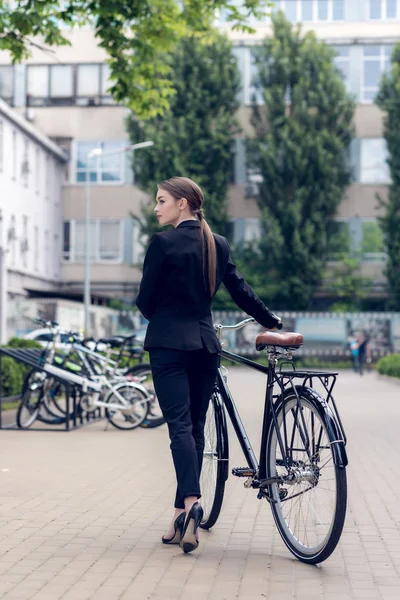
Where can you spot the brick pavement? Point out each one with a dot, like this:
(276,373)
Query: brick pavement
(82,513)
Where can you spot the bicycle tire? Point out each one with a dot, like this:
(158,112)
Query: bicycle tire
(24,422)
(152,420)
(214,472)
(310,469)
(126,423)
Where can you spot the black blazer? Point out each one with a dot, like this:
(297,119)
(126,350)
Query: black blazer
(174,297)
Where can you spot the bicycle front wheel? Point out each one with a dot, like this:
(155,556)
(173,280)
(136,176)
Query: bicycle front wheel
(309,506)
(141,373)
(214,472)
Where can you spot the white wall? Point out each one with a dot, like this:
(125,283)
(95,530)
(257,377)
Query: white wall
(31,175)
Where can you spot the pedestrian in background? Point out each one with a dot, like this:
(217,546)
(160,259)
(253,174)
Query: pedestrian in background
(182,271)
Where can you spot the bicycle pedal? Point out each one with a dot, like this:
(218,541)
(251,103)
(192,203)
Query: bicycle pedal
(243,472)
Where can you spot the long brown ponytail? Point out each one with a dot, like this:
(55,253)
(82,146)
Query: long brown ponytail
(183,187)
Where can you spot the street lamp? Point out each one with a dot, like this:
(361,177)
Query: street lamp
(96,152)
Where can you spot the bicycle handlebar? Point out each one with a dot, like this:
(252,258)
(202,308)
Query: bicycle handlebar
(219,328)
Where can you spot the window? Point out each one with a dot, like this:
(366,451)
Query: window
(37,170)
(46,253)
(37,85)
(67,241)
(106,237)
(373,165)
(87,83)
(14,154)
(376,60)
(25,167)
(12,238)
(24,241)
(7,83)
(372,241)
(255,94)
(312,10)
(61,84)
(342,61)
(101,169)
(106,83)
(36,248)
(66,85)
(338,233)
(383,9)
(1,145)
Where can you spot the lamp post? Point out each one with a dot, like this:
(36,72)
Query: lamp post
(96,152)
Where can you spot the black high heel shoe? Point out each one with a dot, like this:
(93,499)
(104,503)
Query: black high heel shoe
(178,527)
(193,520)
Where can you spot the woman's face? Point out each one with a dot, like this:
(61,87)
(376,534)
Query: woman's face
(167,208)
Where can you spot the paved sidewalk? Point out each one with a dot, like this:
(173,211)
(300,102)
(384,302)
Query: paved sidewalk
(82,513)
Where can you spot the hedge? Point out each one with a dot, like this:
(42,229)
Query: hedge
(389,365)
(13,372)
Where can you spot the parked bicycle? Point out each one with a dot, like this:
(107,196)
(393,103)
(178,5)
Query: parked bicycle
(301,471)
(95,381)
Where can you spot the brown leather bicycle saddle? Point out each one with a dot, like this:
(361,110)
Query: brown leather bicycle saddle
(282,340)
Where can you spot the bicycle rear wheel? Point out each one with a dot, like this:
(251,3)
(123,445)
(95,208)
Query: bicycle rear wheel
(142,374)
(129,415)
(214,472)
(309,510)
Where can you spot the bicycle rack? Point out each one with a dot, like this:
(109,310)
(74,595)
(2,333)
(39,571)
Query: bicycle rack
(33,357)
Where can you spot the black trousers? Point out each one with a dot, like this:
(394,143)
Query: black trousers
(183,381)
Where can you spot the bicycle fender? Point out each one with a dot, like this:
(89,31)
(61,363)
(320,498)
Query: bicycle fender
(324,410)
(223,449)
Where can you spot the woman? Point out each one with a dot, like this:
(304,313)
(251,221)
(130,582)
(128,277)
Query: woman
(182,271)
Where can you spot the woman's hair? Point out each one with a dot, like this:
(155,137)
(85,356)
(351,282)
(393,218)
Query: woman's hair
(183,187)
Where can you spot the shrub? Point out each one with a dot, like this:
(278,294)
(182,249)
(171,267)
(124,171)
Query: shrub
(11,377)
(13,372)
(389,365)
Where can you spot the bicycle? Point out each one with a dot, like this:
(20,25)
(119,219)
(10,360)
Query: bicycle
(301,471)
(126,403)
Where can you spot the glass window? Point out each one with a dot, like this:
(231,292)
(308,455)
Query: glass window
(88,80)
(37,85)
(79,241)
(83,149)
(338,10)
(322,14)
(376,61)
(106,169)
(391,9)
(110,240)
(291,10)
(6,83)
(67,241)
(373,165)
(372,240)
(338,239)
(307,10)
(342,61)
(61,83)
(375,9)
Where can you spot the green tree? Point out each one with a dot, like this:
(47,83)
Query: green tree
(194,138)
(302,135)
(388,100)
(345,282)
(135,34)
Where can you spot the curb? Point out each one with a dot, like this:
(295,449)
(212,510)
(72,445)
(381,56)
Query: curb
(389,378)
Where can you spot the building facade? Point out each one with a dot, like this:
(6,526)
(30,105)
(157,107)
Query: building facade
(31,211)
(67,99)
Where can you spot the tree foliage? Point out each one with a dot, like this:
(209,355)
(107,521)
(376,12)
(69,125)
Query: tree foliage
(194,138)
(136,34)
(302,135)
(389,100)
